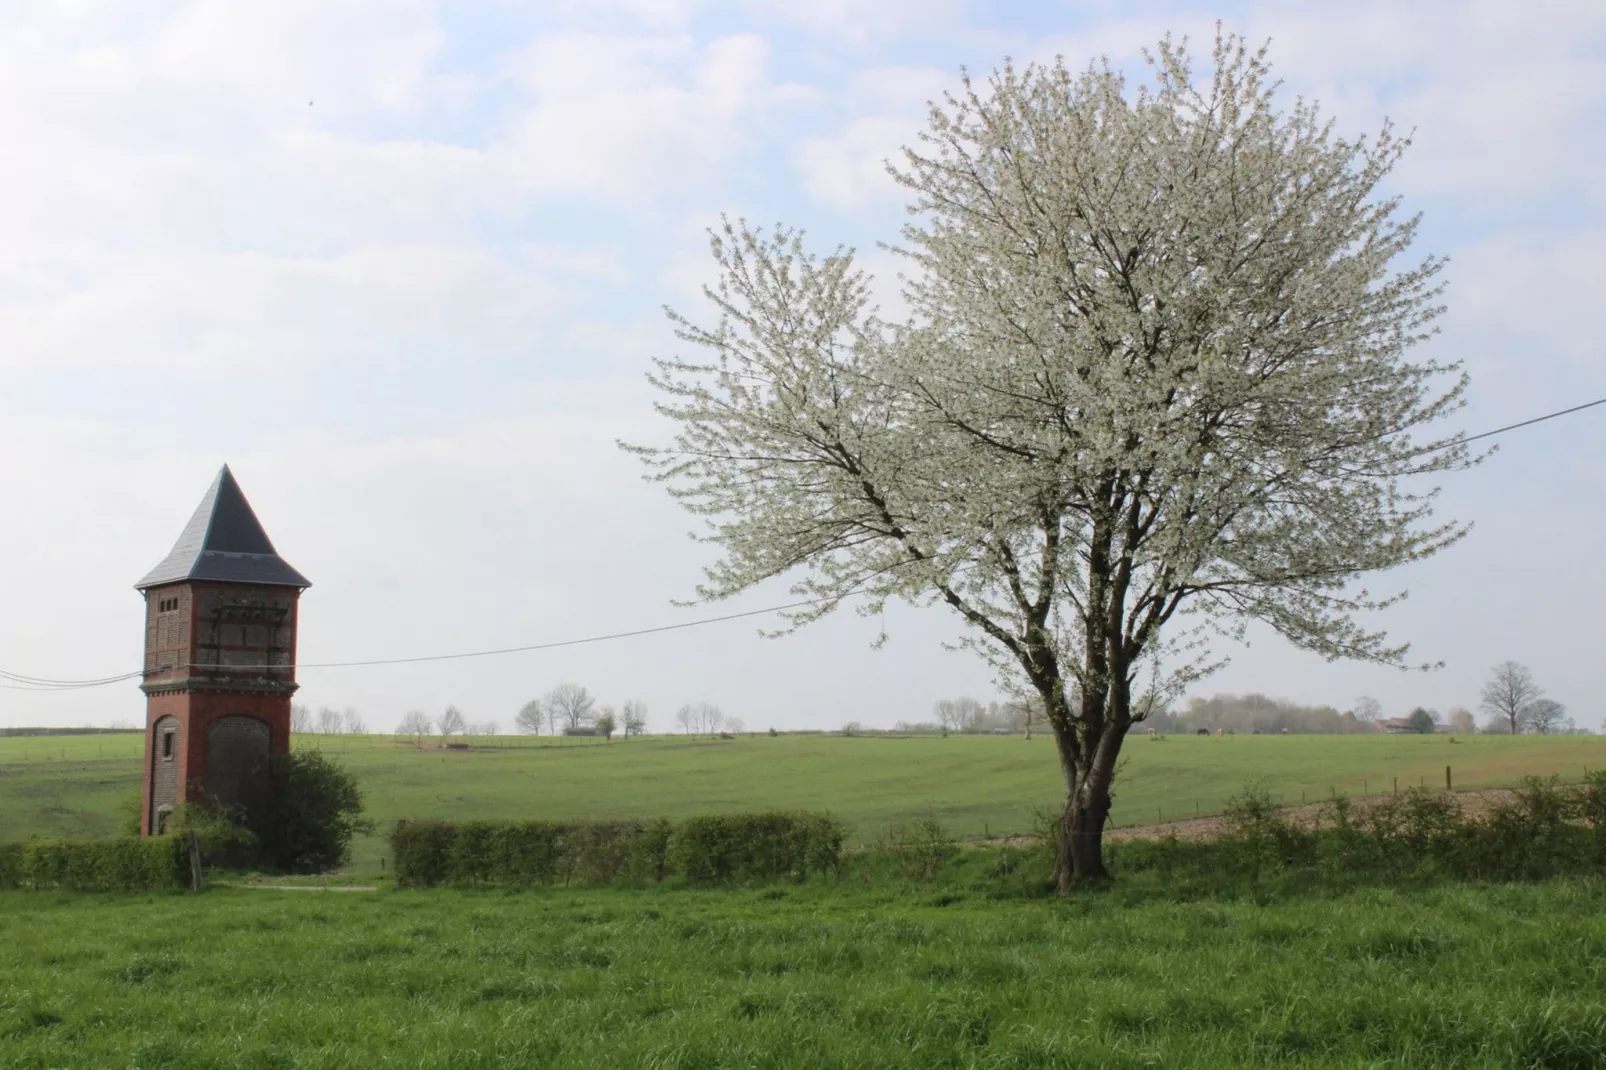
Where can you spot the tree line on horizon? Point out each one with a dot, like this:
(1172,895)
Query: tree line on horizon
(1512,701)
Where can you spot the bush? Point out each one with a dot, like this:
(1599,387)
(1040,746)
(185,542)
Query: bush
(528,852)
(736,847)
(128,864)
(921,846)
(1259,833)
(731,847)
(224,843)
(312,813)
(1538,833)
(1544,829)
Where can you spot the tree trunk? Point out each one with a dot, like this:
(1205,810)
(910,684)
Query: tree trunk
(1080,855)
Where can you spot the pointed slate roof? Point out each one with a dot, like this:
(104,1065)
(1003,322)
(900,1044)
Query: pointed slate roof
(224,541)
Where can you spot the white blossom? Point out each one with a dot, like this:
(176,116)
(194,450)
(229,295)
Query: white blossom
(1158,365)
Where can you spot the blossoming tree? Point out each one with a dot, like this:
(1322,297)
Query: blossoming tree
(1157,382)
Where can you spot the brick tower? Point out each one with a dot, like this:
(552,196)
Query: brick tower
(220,650)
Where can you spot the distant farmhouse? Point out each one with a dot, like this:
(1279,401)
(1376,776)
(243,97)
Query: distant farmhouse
(1396,726)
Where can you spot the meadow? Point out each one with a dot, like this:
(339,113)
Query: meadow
(979,786)
(961,973)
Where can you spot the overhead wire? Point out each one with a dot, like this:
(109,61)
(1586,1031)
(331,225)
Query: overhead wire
(19,682)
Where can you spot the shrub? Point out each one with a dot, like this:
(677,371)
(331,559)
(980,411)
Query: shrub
(1532,835)
(311,815)
(1259,833)
(528,852)
(921,846)
(129,812)
(224,843)
(735,847)
(602,852)
(422,851)
(127,864)
(1418,832)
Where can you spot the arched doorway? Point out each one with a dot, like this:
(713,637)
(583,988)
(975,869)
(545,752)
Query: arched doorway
(237,754)
(165,743)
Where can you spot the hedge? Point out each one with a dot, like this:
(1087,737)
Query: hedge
(734,847)
(128,864)
(702,849)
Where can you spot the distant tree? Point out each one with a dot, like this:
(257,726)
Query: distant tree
(451,722)
(573,705)
(1545,716)
(735,725)
(415,723)
(329,721)
(1367,708)
(963,714)
(1461,721)
(529,717)
(1421,721)
(853,728)
(352,721)
(490,728)
(1509,694)
(1258,713)
(606,722)
(710,718)
(635,718)
(686,718)
(300,717)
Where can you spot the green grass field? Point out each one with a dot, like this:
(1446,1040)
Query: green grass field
(890,975)
(979,785)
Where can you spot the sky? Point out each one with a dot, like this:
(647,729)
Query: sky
(403,266)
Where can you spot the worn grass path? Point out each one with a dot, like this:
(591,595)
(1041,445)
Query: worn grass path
(981,786)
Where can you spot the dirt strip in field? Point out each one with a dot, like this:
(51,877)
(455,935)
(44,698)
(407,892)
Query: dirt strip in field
(1473,804)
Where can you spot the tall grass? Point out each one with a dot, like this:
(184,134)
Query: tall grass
(956,972)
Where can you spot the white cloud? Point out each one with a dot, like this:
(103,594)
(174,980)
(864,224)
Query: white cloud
(857,23)
(414,315)
(847,170)
(627,119)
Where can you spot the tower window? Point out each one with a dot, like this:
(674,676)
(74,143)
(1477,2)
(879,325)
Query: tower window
(167,745)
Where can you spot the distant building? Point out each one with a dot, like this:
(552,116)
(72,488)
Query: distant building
(220,644)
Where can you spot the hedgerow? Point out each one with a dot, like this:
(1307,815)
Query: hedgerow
(1543,829)
(714,848)
(127,864)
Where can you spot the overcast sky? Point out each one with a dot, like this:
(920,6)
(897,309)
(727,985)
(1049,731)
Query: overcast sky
(402,265)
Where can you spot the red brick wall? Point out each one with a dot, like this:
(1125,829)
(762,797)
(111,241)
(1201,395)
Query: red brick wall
(197,695)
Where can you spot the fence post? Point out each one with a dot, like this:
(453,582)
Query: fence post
(197,876)
(1447,786)
(1396,785)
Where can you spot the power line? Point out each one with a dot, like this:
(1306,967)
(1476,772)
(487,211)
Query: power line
(536,646)
(19,682)
(23,683)
(1535,420)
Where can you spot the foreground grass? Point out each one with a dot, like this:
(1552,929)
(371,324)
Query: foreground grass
(967,973)
(72,785)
